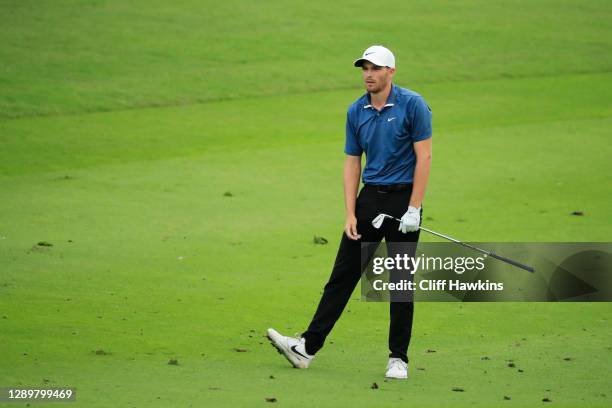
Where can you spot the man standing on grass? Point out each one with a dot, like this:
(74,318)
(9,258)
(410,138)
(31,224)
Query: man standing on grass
(392,125)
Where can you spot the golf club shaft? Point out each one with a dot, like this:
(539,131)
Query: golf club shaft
(482,251)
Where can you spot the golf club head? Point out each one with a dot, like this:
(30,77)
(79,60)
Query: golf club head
(378,221)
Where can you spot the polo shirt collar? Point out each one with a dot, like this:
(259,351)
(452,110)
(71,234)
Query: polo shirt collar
(391,99)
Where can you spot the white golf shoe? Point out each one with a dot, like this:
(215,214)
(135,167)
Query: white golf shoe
(396,368)
(292,348)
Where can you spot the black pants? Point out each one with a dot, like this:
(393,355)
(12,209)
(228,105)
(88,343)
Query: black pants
(348,268)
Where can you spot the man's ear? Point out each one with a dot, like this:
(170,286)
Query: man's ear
(391,70)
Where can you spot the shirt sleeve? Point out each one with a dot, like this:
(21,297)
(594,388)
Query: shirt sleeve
(351,147)
(420,120)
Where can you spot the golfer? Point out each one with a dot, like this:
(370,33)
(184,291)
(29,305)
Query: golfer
(392,126)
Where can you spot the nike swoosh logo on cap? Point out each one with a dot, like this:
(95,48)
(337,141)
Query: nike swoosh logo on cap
(368,53)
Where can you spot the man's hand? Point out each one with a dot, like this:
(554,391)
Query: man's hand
(350,228)
(411,220)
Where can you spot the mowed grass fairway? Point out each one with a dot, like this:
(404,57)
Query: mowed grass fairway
(179,158)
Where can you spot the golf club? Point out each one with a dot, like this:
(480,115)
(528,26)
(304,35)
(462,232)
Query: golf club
(378,222)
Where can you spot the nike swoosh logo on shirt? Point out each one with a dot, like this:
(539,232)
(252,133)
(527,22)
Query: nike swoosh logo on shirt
(293,348)
(390,119)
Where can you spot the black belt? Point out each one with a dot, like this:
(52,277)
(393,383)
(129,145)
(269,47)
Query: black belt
(388,188)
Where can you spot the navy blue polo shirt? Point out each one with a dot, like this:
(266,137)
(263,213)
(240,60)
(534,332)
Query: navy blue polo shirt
(387,136)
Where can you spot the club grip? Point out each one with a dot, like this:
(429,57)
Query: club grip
(511,262)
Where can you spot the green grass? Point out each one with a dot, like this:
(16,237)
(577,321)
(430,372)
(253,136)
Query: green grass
(73,56)
(107,153)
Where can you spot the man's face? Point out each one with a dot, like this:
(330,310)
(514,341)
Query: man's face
(376,78)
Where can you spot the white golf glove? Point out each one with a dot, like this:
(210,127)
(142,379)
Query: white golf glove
(411,220)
